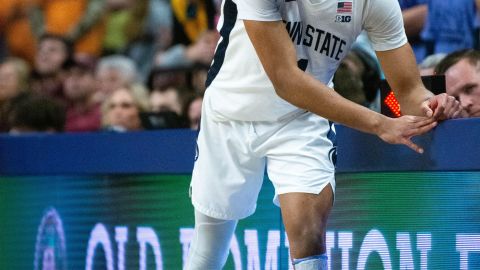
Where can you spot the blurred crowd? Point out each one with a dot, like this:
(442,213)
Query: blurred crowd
(125,65)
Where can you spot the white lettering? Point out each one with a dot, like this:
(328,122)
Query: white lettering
(287,245)
(374,242)
(146,235)
(330,243)
(405,247)
(186,236)
(235,249)
(467,243)
(251,241)
(99,235)
(424,244)
(273,244)
(121,236)
(345,243)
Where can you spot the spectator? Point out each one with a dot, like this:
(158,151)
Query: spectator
(114,72)
(169,99)
(83,112)
(462,75)
(427,66)
(358,79)
(31,112)
(414,15)
(155,35)
(121,110)
(124,21)
(201,51)
(194,111)
(13,80)
(198,78)
(79,21)
(348,79)
(54,54)
(163,77)
(194,38)
(450,26)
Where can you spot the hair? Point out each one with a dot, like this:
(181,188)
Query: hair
(36,112)
(121,63)
(432,61)
(471,55)
(69,48)
(22,68)
(139,95)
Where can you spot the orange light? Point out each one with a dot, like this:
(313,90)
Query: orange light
(392,104)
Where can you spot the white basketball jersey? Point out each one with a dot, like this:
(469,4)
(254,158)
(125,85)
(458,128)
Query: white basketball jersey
(237,85)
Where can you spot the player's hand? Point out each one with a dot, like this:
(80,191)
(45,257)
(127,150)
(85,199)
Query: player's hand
(442,107)
(401,130)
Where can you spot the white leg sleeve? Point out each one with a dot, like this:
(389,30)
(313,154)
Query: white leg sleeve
(211,243)
(319,262)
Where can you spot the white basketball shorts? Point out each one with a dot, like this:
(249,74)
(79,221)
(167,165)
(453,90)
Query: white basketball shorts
(297,152)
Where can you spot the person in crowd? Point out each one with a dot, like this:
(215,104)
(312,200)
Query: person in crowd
(199,74)
(121,110)
(193,111)
(450,26)
(348,79)
(80,86)
(54,54)
(14,77)
(414,14)
(462,75)
(427,66)
(31,112)
(124,20)
(200,51)
(358,79)
(194,38)
(79,21)
(167,99)
(164,77)
(114,72)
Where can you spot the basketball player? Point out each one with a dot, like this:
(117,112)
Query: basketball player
(248,123)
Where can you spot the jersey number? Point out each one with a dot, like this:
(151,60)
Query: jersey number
(302,64)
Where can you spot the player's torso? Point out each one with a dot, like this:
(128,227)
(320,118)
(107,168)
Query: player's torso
(238,87)
(325,33)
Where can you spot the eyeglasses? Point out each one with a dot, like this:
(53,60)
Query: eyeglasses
(122,105)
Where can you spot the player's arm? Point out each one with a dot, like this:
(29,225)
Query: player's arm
(403,76)
(278,56)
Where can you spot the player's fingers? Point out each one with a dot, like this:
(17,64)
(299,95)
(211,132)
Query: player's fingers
(451,107)
(439,111)
(420,121)
(419,130)
(413,146)
(427,111)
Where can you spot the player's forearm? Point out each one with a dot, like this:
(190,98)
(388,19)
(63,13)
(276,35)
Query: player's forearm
(403,76)
(304,91)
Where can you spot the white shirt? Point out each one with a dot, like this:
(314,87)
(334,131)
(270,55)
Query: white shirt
(323,32)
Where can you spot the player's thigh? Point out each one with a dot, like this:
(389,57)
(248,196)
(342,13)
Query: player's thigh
(300,156)
(226,178)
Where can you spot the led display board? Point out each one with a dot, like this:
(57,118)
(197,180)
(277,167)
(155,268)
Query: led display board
(394,209)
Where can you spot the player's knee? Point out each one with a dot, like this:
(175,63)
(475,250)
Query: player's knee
(307,239)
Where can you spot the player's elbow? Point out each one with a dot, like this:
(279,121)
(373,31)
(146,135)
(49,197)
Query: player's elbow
(282,82)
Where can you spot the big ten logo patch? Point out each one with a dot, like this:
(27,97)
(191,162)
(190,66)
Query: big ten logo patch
(343,18)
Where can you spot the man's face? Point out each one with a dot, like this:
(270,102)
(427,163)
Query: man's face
(463,82)
(79,84)
(50,56)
